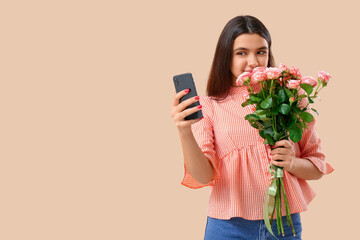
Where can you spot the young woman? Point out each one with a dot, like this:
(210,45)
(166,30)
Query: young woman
(223,151)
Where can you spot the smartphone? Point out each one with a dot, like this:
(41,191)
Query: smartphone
(186,81)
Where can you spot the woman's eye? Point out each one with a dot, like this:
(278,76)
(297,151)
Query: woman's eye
(262,52)
(241,53)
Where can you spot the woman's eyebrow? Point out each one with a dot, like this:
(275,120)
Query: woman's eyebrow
(241,48)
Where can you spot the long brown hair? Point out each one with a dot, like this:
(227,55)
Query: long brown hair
(220,77)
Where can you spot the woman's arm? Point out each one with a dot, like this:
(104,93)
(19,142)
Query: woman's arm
(195,161)
(300,167)
(197,164)
(304,169)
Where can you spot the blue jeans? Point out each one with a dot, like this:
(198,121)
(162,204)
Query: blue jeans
(240,228)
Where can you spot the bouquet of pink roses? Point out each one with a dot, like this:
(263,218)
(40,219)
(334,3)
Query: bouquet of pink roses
(280,114)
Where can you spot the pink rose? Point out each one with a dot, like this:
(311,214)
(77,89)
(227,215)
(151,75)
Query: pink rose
(292,84)
(309,80)
(273,73)
(258,76)
(324,77)
(244,77)
(295,72)
(259,69)
(283,68)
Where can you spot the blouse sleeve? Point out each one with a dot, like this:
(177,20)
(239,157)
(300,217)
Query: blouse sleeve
(310,148)
(204,136)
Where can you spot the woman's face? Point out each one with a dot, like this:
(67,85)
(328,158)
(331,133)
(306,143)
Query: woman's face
(249,51)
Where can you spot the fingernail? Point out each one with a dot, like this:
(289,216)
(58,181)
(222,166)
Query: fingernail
(187,90)
(200,106)
(197,98)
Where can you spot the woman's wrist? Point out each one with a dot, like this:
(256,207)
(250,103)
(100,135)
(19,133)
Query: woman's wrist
(185,131)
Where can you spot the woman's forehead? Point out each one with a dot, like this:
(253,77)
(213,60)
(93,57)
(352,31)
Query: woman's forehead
(250,41)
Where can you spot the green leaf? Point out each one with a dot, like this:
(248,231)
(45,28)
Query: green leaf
(295,134)
(315,111)
(269,131)
(278,136)
(302,96)
(267,103)
(284,109)
(292,120)
(282,96)
(261,112)
(252,116)
(301,124)
(304,125)
(257,124)
(255,99)
(288,93)
(307,117)
(269,139)
(261,132)
(307,87)
(275,100)
(311,100)
(267,123)
(244,104)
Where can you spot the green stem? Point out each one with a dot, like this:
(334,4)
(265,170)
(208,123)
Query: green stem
(278,215)
(274,123)
(288,216)
(316,91)
(250,87)
(307,105)
(272,214)
(281,223)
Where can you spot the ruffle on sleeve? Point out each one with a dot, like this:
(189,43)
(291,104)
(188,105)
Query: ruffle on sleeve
(310,148)
(204,136)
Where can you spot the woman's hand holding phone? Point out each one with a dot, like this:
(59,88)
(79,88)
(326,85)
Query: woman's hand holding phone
(179,111)
(185,111)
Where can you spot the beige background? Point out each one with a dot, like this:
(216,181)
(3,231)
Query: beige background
(88,148)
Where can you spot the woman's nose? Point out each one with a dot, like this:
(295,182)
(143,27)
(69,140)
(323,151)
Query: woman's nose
(252,62)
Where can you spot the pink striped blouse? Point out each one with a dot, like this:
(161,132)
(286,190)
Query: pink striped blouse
(241,160)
